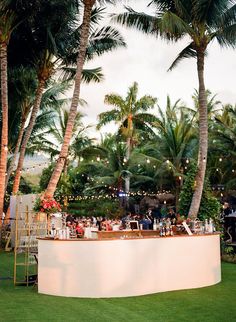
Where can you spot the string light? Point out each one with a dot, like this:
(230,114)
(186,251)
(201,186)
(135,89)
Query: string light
(98,158)
(148,161)
(187,161)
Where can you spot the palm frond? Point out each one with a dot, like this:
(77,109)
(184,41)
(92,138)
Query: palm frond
(172,27)
(104,40)
(187,52)
(137,20)
(226,37)
(145,103)
(107,117)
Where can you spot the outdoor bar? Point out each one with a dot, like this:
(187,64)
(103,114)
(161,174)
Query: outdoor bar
(129,265)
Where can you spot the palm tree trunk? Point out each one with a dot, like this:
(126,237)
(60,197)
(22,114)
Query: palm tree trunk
(84,35)
(4,133)
(128,151)
(16,151)
(37,102)
(203,138)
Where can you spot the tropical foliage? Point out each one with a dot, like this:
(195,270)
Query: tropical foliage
(154,146)
(202,22)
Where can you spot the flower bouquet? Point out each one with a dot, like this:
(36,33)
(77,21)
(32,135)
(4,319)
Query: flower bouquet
(46,204)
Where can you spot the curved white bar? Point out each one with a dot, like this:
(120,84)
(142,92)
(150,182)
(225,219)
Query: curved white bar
(130,267)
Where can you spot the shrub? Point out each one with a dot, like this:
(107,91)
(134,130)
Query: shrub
(209,207)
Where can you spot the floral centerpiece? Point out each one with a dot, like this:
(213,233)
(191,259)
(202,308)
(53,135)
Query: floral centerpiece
(46,204)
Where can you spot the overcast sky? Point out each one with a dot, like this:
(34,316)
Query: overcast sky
(146,61)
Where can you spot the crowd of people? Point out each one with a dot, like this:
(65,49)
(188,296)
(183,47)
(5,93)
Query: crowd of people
(144,221)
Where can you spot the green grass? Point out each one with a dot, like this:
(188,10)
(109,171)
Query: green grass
(216,303)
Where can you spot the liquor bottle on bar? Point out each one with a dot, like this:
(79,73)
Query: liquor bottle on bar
(155,224)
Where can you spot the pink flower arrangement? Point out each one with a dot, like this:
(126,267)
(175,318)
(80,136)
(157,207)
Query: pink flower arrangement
(46,204)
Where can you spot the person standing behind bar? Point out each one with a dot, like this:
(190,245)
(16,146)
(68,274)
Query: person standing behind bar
(172,216)
(226,209)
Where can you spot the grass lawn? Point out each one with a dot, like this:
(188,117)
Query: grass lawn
(216,303)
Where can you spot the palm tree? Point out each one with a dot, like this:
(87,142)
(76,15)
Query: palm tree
(105,167)
(7,24)
(50,141)
(169,153)
(222,146)
(203,22)
(45,33)
(84,32)
(214,106)
(130,113)
(21,88)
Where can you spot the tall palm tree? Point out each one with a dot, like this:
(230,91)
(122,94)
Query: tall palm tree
(202,22)
(21,87)
(130,113)
(84,32)
(7,24)
(45,31)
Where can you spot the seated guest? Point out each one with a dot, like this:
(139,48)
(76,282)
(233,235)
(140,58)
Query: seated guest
(70,218)
(79,230)
(126,218)
(106,225)
(145,222)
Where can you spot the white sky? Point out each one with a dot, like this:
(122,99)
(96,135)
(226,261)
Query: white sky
(146,61)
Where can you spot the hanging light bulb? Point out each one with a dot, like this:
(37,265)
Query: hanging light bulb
(220,159)
(167,161)
(217,169)
(187,161)
(98,158)
(125,160)
(5,148)
(164,201)
(180,177)
(148,161)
